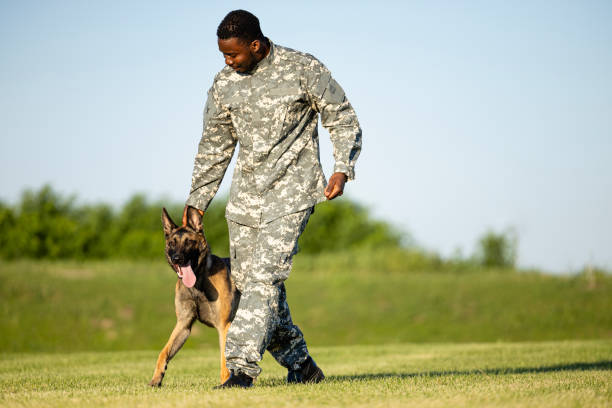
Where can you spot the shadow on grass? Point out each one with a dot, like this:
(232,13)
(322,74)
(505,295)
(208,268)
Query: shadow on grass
(580,366)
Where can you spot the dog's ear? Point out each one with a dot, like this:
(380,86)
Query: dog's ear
(167,222)
(194,219)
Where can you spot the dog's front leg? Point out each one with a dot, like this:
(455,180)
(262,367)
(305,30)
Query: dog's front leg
(177,339)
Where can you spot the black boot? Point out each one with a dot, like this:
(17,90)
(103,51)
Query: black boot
(236,380)
(307,373)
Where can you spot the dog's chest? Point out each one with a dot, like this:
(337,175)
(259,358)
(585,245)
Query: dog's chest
(206,310)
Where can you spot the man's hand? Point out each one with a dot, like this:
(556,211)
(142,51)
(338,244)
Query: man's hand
(335,187)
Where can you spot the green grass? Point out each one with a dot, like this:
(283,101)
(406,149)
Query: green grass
(88,334)
(72,306)
(544,374)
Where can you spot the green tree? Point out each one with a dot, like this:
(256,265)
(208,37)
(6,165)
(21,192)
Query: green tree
(343,225)
(44,224)
(498,249)
(7,224)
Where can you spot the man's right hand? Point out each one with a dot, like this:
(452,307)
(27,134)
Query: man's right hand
(335,187)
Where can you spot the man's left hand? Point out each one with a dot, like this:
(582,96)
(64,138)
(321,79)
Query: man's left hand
(335,187)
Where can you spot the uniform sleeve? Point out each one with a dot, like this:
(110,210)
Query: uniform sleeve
(215,152)
(337,116)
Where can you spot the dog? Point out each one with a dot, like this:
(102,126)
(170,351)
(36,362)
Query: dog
(204,289)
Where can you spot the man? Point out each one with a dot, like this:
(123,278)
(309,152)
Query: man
(267,98)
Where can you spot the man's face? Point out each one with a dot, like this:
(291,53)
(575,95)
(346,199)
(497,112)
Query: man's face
(238,54)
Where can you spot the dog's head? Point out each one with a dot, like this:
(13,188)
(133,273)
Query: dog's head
(187,251)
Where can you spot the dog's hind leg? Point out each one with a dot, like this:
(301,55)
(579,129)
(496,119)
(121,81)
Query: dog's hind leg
(225,374)
(177,339)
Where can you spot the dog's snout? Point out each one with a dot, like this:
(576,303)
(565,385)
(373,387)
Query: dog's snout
(176,258)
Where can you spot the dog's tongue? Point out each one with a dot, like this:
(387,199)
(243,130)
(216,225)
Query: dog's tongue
(189,278)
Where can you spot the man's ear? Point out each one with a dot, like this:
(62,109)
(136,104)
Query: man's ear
(194,219)
(167,222)
(255,45)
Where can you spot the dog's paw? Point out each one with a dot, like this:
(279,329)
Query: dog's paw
(156,381)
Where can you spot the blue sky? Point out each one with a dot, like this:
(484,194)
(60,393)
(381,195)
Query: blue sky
(476,115)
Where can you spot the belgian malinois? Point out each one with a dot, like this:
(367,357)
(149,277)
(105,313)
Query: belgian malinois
(204,289)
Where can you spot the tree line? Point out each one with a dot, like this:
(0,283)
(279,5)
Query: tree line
(47,225)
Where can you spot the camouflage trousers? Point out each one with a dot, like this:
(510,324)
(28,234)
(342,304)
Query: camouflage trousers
(261,260)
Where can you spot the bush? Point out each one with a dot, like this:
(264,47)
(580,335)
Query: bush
(498,250)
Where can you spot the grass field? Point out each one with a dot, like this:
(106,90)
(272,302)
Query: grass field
(386,334)
(68,306)
(542,374)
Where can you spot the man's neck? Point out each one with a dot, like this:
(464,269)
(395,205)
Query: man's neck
(266,49)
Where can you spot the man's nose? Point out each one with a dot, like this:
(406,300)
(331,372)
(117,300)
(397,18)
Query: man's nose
(229,61)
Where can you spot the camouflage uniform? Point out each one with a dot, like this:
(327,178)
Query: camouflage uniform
(261,261)
(272,112)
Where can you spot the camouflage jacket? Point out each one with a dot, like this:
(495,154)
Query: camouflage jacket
(272,112)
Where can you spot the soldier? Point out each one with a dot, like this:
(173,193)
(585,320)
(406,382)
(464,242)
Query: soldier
(267,99)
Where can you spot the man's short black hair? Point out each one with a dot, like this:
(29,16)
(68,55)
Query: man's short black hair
(240,24)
